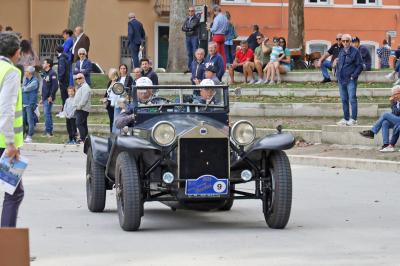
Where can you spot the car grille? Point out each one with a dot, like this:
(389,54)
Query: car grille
(198,156)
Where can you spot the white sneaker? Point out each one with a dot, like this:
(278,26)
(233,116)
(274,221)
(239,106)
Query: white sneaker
(260,81)
(28,139)
(397,82)
(271,82)
(278,81)
(252,81)
(390,76)
(265,81)
(342,122)
(387,149)
(351,122)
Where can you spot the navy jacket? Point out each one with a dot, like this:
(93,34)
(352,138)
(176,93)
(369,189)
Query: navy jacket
(198,70)
(366,57)
(349,65)
(395,109)
(151,75)
(86,69)
(30,91)
(50,85)
(136,34)
(218,64)
(63,69)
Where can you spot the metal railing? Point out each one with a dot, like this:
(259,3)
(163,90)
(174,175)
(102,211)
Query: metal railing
(48,44)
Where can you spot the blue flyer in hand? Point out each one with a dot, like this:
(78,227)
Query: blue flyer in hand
(11,172)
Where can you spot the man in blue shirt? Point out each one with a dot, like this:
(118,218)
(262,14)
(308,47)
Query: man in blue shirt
(218,29)
(365,54)
(349,67)
(215,59)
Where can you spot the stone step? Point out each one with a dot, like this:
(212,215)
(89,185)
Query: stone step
(306,76)
(344,135)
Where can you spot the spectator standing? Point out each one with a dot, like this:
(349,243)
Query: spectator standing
(252,39)
(243,63)
(123,76)
(49,89)
(63,74)
(69,113)
(82,104)
(230,35)
(28,56)
(84,65)
(68,44)
(30,91)
(136,38)
(147,71)
(384,54)
(110,99)
(365,54)
(198,67)
(261,56)
(387,121)
(330,64)
(11,122)
(191,29)
(82,41)
(215,59)
(349,67)
(218,29)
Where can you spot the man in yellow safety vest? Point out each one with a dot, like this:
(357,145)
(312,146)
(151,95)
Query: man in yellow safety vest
(11,124)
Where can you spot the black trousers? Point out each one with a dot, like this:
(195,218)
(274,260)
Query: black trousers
(64,93)
(81,123)
(11,205)
(71,128)
(110,111)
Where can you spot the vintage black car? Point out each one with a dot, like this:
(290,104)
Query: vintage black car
(182,151)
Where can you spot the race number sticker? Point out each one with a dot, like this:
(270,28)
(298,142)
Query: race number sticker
(219,187)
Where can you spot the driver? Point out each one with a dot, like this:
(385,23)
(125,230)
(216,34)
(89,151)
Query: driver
(144,97)
(207,95)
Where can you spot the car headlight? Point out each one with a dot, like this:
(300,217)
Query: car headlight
(243,132)
(118,88)
(163,133)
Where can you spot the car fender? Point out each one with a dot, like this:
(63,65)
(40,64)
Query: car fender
(99,148)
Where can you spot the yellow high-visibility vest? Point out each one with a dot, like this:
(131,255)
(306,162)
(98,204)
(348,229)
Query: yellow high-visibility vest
(6,68)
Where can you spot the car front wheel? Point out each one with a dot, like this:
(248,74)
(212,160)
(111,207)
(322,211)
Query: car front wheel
(128,192)
(95,184)
(277,191)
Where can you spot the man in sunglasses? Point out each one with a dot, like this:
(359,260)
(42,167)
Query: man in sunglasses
(330,64)
(349,67)
(191,29)
(82,104)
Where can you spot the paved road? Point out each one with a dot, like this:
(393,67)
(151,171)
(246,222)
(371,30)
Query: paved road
(339,217)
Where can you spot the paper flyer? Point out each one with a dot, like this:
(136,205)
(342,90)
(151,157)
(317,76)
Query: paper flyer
(11,172)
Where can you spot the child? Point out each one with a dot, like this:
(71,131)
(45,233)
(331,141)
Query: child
(269,70)
(277,51)
(69,112)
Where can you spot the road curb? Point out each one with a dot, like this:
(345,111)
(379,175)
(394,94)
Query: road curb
(339,162)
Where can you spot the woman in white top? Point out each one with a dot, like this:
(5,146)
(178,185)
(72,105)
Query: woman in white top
(124,78)
(110,99)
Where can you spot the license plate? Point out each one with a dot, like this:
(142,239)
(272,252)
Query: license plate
(206,186)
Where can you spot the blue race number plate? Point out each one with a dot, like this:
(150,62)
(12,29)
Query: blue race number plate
(206,186)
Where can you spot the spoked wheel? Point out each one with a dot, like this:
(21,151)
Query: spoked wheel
(95,184)
(277,191)
(128,193)
(229,202)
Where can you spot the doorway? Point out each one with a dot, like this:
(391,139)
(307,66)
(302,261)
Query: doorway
(163,35)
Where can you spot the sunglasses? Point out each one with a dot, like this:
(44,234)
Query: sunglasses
(78,78)
(191,10)
(82,54)
(345,40)
(338,39)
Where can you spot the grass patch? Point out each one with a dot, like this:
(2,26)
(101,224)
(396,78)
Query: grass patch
(312,85)
(99,81)
(384,101)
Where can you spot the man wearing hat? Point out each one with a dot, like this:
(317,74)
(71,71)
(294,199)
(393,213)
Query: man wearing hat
(30,91)
(365,54)
(211,73)
(11,122)
(334,52)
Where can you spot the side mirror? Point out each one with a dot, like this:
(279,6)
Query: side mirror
(118,88)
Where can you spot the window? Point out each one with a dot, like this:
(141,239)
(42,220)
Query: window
(317,2)
(319,47)
(366,2)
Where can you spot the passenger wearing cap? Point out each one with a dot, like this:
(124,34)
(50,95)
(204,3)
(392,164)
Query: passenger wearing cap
(207,95)
(330,64)
(365,54)
(30,91)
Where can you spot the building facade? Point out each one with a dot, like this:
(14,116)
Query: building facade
(106,23)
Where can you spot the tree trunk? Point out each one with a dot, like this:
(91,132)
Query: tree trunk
(296,24)
(76,15)
(177,56)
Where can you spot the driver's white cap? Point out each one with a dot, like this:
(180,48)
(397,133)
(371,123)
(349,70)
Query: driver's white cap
(144,81)
(207,82)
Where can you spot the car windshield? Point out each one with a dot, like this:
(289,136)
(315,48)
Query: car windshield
(180,99)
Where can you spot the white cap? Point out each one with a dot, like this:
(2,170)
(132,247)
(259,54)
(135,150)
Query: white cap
(144,81)
(29,69)
(207,82)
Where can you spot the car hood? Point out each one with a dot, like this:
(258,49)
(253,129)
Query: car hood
(184,122)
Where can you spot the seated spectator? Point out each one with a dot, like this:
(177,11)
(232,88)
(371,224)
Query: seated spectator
(243,63)
(147,71)
(387,121)
(261,56)
(124,78)
(215,59)
(30,91)
(330,64)
(83,65)
(269,69)
(365,54)
(197,67)
(280,61)
(384,54)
